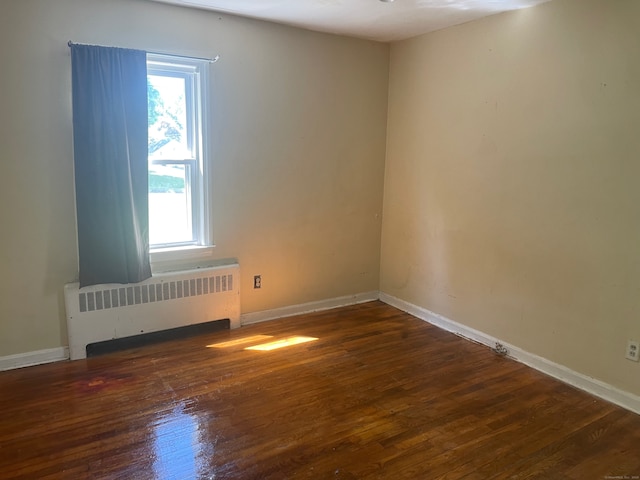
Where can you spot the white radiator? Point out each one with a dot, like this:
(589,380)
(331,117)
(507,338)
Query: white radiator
(168,300)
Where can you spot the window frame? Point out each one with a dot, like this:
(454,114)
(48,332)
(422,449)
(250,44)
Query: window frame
(198,180)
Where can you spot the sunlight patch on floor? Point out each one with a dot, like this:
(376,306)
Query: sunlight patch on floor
(240,341)
(285,342)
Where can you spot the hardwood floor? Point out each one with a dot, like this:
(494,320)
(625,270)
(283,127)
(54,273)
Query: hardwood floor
(378,395)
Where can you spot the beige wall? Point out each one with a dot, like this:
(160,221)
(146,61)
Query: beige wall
(512,199)
(299,123)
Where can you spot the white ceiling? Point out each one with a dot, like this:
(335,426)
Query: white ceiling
(369,19)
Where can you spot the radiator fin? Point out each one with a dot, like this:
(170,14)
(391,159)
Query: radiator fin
(154,292)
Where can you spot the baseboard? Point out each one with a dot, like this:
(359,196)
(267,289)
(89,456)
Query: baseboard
(588,384)
(38,357)
(265,315)
(583,382)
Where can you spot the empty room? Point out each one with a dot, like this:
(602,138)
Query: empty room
(376,239)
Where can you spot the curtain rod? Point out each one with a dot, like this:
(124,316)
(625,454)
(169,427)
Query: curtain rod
(210,60)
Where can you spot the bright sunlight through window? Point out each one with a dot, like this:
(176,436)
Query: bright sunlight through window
(286,342)
(264,346)
(240,341)
(178,207)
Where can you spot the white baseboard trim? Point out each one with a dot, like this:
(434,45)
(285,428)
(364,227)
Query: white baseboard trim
(583,382)
(38,357)
(265,315)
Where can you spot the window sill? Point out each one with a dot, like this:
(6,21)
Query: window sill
(163,259)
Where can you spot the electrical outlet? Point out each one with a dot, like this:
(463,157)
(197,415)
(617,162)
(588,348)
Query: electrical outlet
(633,351)
(257,281)
(500,349)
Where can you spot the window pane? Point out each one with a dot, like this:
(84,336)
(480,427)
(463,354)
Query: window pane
(177,214)
(169,205)
(168,137)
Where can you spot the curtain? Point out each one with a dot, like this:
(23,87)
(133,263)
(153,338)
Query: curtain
(110,159)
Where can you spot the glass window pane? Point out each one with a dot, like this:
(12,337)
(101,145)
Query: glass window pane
(168,138)
(169,205)
(177,215)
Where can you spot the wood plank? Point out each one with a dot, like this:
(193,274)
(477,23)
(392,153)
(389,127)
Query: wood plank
(379,395)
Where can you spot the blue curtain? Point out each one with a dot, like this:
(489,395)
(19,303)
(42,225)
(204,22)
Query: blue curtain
(110,158)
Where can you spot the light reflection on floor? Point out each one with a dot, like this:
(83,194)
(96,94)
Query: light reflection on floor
(240,341)
(285,342)
(180,451)
(259,343)
(182,448)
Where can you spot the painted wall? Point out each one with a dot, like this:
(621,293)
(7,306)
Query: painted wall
(299,122)
(511,199)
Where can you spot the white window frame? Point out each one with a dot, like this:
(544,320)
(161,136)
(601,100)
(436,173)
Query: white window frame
(196,75)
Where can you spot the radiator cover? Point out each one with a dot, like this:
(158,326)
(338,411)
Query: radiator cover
(167,300)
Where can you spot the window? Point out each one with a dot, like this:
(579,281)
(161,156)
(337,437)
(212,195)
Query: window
(178,167)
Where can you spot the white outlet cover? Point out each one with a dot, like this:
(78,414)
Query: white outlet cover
(633,351)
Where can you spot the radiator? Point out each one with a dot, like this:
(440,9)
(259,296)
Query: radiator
(169,300)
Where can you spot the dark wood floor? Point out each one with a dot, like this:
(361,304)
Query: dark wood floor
(378,395)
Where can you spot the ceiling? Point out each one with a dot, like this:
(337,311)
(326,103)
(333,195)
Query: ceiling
(379,20)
